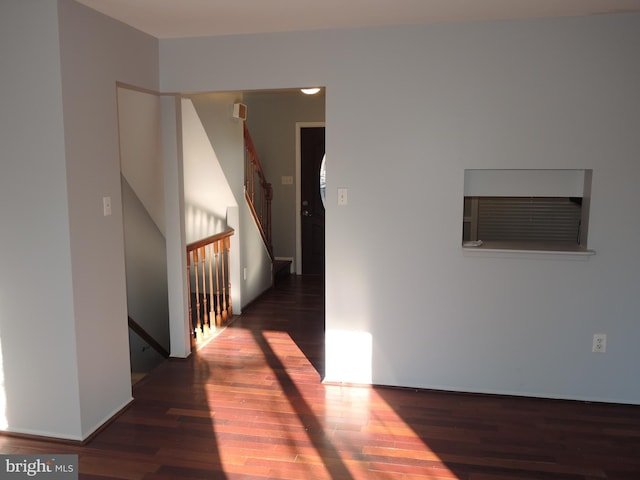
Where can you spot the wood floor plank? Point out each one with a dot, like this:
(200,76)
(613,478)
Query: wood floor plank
(250,405)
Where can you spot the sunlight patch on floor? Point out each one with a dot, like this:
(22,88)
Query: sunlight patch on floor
(357,410)
(203,340)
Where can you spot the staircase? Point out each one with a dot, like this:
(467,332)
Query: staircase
(259,194)
(141,369)
(258,191)
(280,270)
(208,271)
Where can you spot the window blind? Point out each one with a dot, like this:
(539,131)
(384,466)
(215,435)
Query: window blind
(529,219)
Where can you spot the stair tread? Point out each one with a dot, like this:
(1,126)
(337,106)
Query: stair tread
(281,268)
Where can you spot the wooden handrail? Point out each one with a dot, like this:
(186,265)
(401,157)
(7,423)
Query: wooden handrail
(206,241)
(261,228)
(211,308)
(144,335)
(258,191)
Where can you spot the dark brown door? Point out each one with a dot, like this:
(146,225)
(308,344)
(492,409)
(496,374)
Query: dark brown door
(312,209)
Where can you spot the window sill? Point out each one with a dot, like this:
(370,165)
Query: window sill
(520,249)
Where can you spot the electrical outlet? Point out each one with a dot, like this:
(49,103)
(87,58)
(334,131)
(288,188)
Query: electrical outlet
(599,343)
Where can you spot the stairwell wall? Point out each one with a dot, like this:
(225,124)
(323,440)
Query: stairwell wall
(139,115)
(226,136)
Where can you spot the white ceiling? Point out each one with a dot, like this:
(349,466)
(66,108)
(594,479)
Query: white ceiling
(189,18)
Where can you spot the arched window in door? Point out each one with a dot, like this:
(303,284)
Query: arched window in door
(323,182)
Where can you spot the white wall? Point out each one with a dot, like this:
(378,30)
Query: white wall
(254,256)
(141,149)
(225,134)
(96,52)
(524,183)
(408,110)
(207,194)
(37,334)
(179,323)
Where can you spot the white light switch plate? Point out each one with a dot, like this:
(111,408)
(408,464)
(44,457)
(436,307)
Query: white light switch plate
(106,206)
(342,196)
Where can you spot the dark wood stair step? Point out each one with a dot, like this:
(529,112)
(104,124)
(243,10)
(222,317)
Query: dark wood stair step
(281,269)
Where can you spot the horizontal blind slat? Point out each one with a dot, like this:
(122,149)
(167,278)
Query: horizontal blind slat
(549,219)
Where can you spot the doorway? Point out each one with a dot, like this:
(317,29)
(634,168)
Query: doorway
(311,219)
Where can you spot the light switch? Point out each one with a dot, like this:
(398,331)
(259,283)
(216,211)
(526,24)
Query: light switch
(106,206)
(342,196)
(287,180)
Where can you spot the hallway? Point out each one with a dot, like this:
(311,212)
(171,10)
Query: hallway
(250,405)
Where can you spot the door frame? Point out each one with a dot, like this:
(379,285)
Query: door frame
(299,126)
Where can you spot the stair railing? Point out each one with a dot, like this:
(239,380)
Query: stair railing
(208,271)
(258,191)
(144,335)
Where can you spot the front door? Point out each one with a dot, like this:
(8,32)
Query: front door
(312,208)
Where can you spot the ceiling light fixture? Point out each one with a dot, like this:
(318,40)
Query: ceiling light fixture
(310,91)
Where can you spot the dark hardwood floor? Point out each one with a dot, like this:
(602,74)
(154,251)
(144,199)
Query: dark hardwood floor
(250,405)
